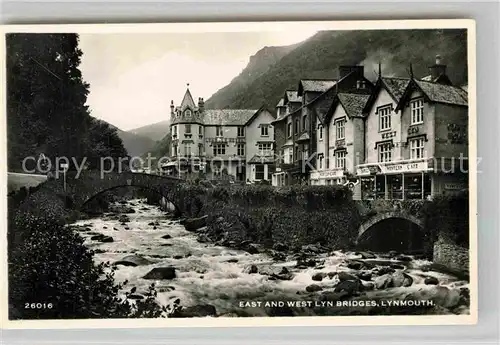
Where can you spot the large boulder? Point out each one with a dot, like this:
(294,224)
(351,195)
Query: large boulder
(161,273)
(202,310)
(345,276)
(318,276)
(124,218)
(348,286)
(133,260)
(383,281)
(431,280)
(280,247)
(193,224)
(366,255)
(102,238)
(313,288)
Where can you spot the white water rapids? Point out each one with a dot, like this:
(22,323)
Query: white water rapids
(219,276)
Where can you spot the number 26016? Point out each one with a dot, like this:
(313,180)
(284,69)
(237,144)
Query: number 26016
(38,306)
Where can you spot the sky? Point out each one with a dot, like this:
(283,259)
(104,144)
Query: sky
(133,77)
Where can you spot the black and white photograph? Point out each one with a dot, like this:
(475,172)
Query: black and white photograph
(319,172)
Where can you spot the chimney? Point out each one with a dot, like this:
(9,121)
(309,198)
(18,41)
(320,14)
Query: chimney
(345,70)
(172,108)
(201,105)
(438,68)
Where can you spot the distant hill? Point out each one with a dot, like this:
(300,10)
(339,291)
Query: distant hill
(155,131)
(135,144)
(320,56)
(258,65)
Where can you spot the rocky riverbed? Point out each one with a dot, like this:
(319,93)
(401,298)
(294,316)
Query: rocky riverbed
(206,279)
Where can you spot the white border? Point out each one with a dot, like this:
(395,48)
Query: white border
(468,24)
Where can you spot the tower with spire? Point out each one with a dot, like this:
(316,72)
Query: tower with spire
(187,129)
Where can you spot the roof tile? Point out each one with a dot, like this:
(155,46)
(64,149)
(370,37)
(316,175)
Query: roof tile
(316,85)
(443,93)
(353,103)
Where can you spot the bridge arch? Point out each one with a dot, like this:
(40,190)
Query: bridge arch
(90,185)
(163,193)
(377,224)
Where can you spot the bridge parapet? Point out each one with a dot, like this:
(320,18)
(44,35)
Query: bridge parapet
(91,183)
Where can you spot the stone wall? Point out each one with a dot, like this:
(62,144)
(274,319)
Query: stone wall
(452,256)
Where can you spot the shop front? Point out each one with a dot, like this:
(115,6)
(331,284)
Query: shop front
(327,177)
(403,180)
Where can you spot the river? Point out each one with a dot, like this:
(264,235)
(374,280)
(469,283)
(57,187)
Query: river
(207,274)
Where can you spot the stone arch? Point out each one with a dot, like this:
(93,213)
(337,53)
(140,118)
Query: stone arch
(387,215)
(164,192)
(91,184)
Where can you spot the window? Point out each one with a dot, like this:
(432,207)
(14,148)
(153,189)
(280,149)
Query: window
(264,130)
(187,128)
(187,112)
(187,149)
(200,131)
(417,111)
(321,162)
(241,149)
(417,148)
(241,131)
(384,115)
(174,150)
(200,149)
(296,126)
(265,149)
(320,132)
(304,122)
(340,159)
(290,155)
(218,131)
(340,129)
(219,149)
(385,152)
(174,132)
(289,129)
(259,172)
(217,171)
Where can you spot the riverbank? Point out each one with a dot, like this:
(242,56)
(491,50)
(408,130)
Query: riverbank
(209,279)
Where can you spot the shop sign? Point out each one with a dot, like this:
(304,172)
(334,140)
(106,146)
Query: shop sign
(326,174)
(278,169)
(405,167)
(454,186)
(364,171)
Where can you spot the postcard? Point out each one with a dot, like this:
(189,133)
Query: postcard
(239,174)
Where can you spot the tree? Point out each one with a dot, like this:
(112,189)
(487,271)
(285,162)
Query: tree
(46,101)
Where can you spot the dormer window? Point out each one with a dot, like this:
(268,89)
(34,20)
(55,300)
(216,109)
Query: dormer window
(187,112)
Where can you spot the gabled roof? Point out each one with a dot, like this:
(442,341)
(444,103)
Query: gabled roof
(187,101)
(257,112)
(437,93)
(394,86)
(228,117)
(315,85)
(353,103)
(292,96)
(281,103)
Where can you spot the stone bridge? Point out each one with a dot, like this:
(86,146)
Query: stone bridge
(392,222)
(90,184)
